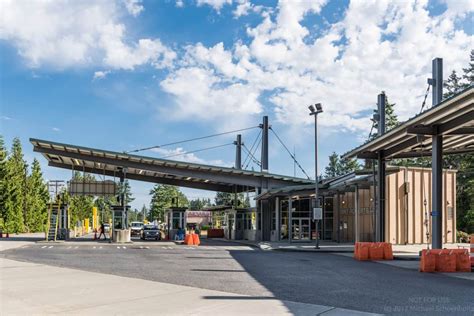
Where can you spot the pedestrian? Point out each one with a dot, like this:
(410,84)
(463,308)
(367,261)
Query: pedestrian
(102,231)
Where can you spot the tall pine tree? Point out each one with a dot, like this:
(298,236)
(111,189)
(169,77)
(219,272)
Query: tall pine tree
(338,166)
(37,200)
(452,85)
(3,181)
(15,204)
(162,197)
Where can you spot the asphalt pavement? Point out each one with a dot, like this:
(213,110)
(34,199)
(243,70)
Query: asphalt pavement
(313,278)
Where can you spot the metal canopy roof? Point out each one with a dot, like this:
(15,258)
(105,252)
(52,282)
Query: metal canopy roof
(157,170)
(453,118)
(362,178)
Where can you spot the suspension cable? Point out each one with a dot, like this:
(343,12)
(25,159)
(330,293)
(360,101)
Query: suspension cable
(289,152)
(255,149)
(371,129)
(424,100)
(192,139)
(251,148)
(251,155)
(195,151)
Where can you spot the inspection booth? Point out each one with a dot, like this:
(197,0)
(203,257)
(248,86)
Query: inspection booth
(175,219)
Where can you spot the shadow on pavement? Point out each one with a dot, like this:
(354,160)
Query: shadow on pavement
(340,281)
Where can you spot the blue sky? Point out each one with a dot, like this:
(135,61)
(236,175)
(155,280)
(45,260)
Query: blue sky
(122,75)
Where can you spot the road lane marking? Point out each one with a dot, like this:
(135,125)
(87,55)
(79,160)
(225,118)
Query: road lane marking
(43,247)
(118,247)
(76,247)
(50,247)
(94,247)
(124,247)
(100,247)
(69,247)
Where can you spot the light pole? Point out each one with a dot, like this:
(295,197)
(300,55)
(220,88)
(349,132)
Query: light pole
(315,111)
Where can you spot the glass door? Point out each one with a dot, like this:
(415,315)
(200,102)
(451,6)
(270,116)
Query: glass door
(300,229)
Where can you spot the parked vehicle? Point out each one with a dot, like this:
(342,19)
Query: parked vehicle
(151,232)
(136,228)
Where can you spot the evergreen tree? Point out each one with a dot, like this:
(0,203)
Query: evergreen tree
(15,202)
(391,118)
(464,163)
(452,85)
(104,207)
(226,198)
(125,189)
(338,166)
(3,181)
(80,206)
(162,198)
(332,169)
(348,165)
(468,75)
(37,200)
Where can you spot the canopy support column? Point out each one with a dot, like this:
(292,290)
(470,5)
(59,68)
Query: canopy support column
(437,193)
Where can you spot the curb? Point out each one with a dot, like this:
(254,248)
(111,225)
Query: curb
(312,250)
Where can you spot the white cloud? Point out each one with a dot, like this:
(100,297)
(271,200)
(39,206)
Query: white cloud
(55,129)
(66,34)
(180,154)
(134,7)
(245,7)
(377,45)
(5,118)
(215,4)
(100,75)
(179,3)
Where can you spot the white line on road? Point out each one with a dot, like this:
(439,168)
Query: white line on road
(100,247)
(69,247)
(94,247)
(43,247)
(76,247)
(50,247)
(124,247)
(118,247)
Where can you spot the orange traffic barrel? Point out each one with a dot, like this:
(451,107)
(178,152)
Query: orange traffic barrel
(196,240)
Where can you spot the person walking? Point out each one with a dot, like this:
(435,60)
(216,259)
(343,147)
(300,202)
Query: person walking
(102,231)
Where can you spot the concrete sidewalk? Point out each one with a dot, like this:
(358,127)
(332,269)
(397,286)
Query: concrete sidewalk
(28,288)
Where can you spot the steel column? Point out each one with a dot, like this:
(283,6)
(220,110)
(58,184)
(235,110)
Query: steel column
(356,213)
(238,152)
(437,162)
(380,211)
(290,219)
(264,166)
(437,192)
(437,81)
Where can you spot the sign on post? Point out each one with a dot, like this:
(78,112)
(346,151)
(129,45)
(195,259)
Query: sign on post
(317,213)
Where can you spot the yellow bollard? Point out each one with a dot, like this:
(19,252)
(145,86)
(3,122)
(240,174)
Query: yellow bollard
(86,222)
(94,219)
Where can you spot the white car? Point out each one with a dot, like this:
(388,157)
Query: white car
(136,229)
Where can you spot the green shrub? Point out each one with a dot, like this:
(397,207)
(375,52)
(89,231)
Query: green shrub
(462,237)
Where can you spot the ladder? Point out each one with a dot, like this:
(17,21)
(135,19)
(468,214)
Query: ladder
(53,224)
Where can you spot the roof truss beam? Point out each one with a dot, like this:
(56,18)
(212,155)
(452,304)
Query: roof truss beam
(162,180)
